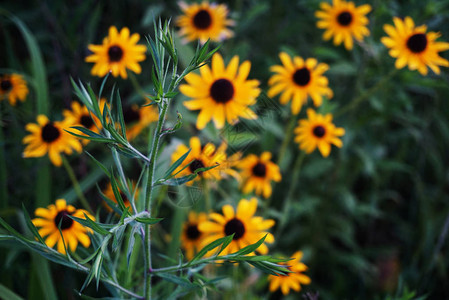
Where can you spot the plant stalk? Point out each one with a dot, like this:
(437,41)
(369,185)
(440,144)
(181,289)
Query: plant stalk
(149,194)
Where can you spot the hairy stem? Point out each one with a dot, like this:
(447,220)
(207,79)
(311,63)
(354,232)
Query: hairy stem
(149,194)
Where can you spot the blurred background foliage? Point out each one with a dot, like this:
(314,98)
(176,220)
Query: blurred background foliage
(372,219)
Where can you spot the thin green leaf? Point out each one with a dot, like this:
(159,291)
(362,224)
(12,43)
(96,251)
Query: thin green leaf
(31,226)
(208,248)
(149,221)
(99,164)
(176,164)
(91,224)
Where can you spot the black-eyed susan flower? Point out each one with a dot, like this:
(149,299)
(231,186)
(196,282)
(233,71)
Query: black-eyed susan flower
(79,116)
(108,192)
(414,46)
(204,21)
(204,157)
(291,280)
(192,237)
(50,137)
(13,87)
(318,131)
(299,79)
(343,21)
(247,228)
(49,219)
(138,118)
(221,93)
(118,52)
(257,174)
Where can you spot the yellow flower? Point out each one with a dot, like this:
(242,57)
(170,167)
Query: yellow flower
(13,87)
(49,137)
(414,47)
(203,157)
(318,131)
(343,21)
(290,280)
(191,236)
(257,174)
(118,52)
(108,192)
(247,228)
(204,21)
(49,219)
(138,118)
(79,116)
(299,79)
(221,93)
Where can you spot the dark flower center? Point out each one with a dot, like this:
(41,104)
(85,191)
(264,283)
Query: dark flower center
(50,133)
(202,19)
(6,85)
(344,18)
(130,116)
(235,226)
(192,232)
(302,76)
(63,218)
(222,90)
(319,131)
(417,43)
(260,170)
(86,121)
(115,53)
(195,165)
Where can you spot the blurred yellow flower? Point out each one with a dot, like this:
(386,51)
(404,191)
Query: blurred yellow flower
(344,21)
(221,93)
(290,280)
(299,79)
(13,87)
(118,52)
(138,118)
(203,157)
(204,21)
(49,219)
(191,237)
(50,137)
(318,131)
(414,47)
(247,228)
(257,174)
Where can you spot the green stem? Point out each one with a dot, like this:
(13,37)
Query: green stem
(206,191)
(119,166)
(76,185)
(287,138)
(149,193)
(291,190)
(368,93)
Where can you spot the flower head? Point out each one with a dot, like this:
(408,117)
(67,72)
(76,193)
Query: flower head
(291,280)
(221,93)
(49,137)
(79,115)
(118,52)
(204,21)
(247,228)
(138,118)
(13,87)
(258,172)
(318,131)
(49,219)
(414,46)
(109,193)
(299,79)
(343,21)
(192,237)
(203,157)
